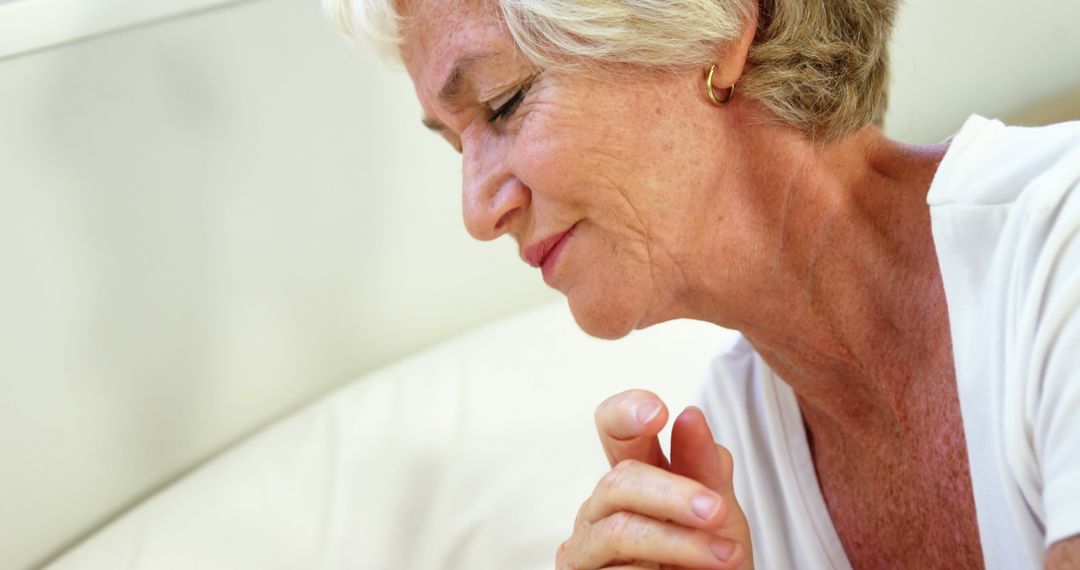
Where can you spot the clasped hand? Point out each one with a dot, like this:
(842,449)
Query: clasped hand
(648,512)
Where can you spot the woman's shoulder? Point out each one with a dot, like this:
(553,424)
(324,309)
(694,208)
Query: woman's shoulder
(1002,206)
(1006,225)
(992,164)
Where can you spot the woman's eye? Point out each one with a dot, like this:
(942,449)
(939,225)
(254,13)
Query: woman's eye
(504,106)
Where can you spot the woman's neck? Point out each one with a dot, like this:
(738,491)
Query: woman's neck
(851,309)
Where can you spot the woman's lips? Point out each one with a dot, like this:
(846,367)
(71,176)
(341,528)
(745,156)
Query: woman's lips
(545,253)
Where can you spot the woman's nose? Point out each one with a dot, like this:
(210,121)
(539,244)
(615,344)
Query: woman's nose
(492,198)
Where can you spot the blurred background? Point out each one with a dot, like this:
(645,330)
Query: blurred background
(212,213)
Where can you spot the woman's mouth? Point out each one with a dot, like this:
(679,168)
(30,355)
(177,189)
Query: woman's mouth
(545,253)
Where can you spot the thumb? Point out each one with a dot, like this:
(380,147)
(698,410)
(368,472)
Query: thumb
(628,424)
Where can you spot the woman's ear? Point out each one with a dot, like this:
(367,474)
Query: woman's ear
(731,63)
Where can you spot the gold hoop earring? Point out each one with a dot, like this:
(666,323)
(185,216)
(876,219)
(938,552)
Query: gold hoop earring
(711,94)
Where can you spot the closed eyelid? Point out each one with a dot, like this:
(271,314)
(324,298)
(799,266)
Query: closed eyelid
(512,97)
(503,98)
(509,90)
(505,95)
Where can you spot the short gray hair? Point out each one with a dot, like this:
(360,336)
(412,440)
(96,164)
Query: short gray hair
(820,66)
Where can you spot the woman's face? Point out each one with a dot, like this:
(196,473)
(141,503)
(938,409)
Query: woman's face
(605,184)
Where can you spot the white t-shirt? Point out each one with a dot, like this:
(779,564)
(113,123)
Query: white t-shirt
(1006,227)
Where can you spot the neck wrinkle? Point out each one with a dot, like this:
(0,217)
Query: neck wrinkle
(857,314)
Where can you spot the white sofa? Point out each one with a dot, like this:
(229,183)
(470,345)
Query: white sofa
(473,455)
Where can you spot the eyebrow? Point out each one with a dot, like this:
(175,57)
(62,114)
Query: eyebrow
(454,85)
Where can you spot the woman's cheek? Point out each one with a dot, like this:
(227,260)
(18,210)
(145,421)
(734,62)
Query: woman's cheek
(539,159)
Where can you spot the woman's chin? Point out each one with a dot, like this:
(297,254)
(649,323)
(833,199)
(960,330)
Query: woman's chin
(604,317)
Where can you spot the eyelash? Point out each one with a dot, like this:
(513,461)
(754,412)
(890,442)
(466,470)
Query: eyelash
(508,108)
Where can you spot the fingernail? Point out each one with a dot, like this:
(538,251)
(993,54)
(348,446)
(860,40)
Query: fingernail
(722,550)
(647,411)
(705,506)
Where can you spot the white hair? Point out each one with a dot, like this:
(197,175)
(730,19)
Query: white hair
(818,65)
(375,20)
(570,33)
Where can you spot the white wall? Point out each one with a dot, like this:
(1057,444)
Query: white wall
(29,25)
(203,225)
(951,58)
(207,222)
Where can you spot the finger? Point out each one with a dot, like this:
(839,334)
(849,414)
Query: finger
(629,538)
(636,487)
(694,454)
(628,424)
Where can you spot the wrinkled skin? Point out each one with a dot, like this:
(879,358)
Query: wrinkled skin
(575,152)
(820,254)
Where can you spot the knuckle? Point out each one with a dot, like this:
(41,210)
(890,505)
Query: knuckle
(616,529)
(561,554)
(581,513)
(627,466)
(666,491)
(567,554)
(618,476)
(584,507)
(607,484)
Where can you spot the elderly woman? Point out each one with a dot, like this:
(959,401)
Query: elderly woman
(906,393)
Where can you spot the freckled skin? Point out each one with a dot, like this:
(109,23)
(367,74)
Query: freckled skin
(1064,555)
(577,148)
(821,254)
